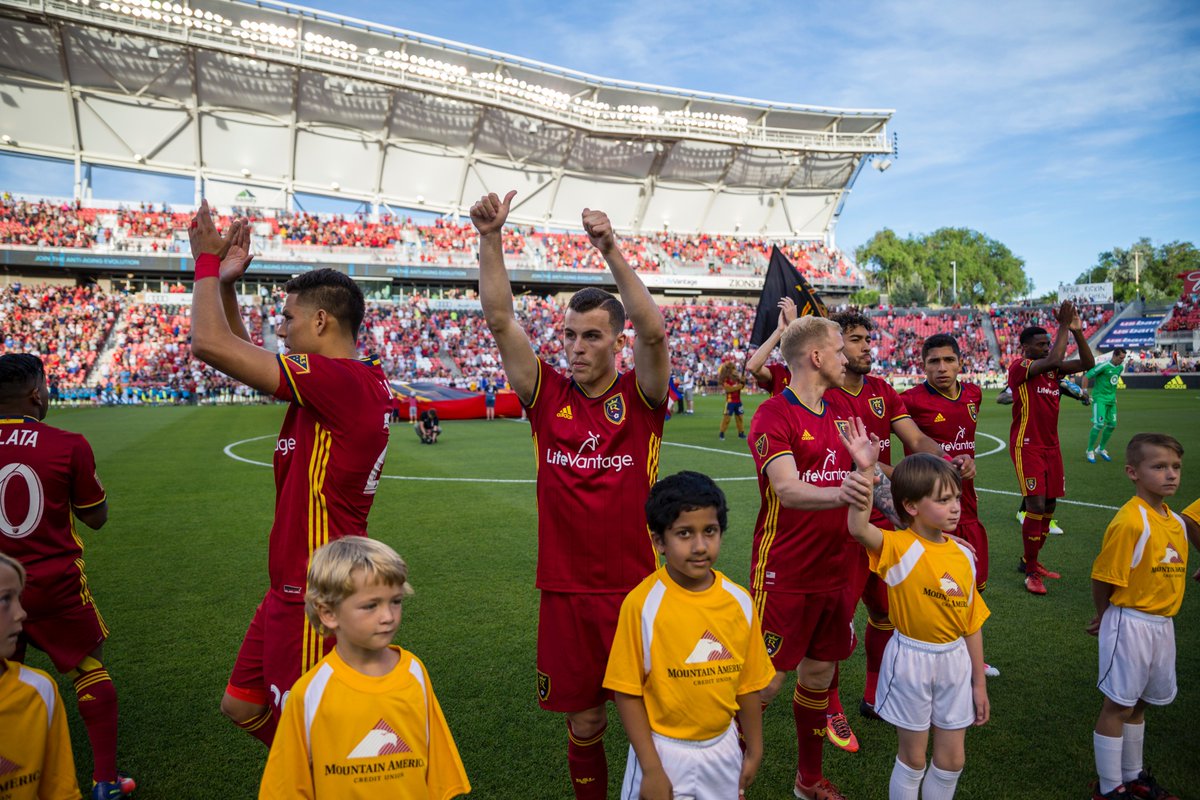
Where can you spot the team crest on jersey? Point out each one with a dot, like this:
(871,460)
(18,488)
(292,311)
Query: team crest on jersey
(760,446)
(973,411)
(543,686)
(772,640)
(299,363)
(876,404)
(614,409)
(843,425)
(1031,484)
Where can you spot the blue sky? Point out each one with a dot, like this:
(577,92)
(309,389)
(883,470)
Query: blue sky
(1060,129)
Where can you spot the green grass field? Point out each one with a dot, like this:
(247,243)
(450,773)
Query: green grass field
(182,563)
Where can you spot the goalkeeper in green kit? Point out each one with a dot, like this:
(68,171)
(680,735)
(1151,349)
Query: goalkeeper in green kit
(1104,377)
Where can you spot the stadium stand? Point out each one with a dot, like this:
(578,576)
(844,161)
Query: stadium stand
(899,335)
(66,325)
(1185,316)
(1009,321)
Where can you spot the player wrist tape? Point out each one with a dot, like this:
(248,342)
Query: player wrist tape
(208,265)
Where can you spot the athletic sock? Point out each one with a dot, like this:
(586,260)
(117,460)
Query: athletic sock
(905,783)
(1093,437)
(1031,535)
(835,700)
(808,708)
(939,783)
(261,726)
(1108,750)
(588,765)
(98,708)
(875,642)
(1104,437)
(1131,751)
(1047,518)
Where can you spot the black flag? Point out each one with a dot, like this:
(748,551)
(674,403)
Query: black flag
(783,280)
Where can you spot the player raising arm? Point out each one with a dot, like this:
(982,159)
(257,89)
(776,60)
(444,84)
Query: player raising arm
(596,434)
(772,378)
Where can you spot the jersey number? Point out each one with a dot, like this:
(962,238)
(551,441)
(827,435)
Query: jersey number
(373,478)
(8,474)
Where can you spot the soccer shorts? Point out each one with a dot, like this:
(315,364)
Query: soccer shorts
(1040,470)
(819,626)
(575,635)
(63,621)
(701,770)
(974,534)
(1137,657)
(733,409)
(279,647)
(1104,415)
(923,684)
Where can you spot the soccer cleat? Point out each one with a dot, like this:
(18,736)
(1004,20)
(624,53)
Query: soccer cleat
(741,435)
(1021,516)
(107,791)
(1144,787)
(721,436)
(867,710)
(990,672)
(1054,527)
(1034,585)
(837,729)
(126,783)
(1104,454)
(1040,570)
(1119,793)
(1091,456)
(821,790)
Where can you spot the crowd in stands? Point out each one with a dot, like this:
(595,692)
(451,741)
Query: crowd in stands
(1185,316)
(899,335)
(66,325)
(1009,321)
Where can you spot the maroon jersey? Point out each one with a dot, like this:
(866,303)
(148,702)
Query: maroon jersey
(597,458)
(733,391)
(950,420)
(1034,408)
(44,473)
(781,376)
(328,458)
(799,550)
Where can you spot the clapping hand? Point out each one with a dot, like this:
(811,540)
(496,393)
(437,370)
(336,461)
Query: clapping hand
(204,236)
(237,257)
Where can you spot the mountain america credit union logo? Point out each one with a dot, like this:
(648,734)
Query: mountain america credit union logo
(587,457)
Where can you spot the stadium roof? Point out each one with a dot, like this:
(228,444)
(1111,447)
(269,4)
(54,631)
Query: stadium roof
(273,99)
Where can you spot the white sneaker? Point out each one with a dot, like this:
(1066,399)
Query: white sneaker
(990,672)
(1091,456)
(1104,454)
(1054,527)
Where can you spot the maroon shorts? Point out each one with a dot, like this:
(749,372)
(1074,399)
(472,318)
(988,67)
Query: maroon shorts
(1040,470)
(63,621)
(279,647)
(975,535)
(575,635)
(819,626)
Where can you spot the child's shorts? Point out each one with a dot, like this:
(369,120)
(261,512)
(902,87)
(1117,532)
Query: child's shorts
(1137,657)
(923,684)
(704,770)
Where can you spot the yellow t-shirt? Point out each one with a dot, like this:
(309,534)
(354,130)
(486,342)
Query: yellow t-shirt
(931,587)
(348,736)
(1144,555)
(1193,511)
(36,762)
(689,655)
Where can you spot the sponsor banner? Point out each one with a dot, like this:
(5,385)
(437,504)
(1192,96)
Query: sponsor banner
(185,299)
(1178,381)
(455,305)
(1128,333)
(1086,292)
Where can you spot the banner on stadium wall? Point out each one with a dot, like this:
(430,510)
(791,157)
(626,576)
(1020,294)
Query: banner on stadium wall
(1129,333)
(1086,292)
(455,305)
(1191,281)
(185,299)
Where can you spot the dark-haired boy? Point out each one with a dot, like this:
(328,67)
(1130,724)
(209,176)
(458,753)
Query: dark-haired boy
(328,457)
(688,656)
(596,434)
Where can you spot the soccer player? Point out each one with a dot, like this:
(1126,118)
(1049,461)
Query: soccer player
(47,480)
(1137,584)
(1033,437)
(681,626)
(596,434)
(773,377)
(802,556)
(731,385)
(368,707)
(328,457)
(873,400)
(1104,377)
(35,745)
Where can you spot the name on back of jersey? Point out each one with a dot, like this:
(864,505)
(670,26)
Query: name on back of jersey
(20,437)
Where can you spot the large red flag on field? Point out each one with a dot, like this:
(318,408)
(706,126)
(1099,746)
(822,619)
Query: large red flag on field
(783,280)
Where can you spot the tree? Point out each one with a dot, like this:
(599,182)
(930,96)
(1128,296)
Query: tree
(1144,268)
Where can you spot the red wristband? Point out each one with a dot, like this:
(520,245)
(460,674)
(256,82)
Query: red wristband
(208,265)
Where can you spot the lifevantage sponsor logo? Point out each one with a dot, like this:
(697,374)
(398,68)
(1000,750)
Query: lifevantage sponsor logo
(588,457)
(828,473)
(961,443)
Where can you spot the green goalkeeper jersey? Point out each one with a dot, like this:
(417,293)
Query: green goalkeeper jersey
(1104,378)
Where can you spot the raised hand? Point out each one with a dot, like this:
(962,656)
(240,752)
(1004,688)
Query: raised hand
(787,310)
(599,230)
(204,236)
(864,448)
(1065,311)
(237,257)
(489,214)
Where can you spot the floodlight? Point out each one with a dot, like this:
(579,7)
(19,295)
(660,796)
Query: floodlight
(883,164)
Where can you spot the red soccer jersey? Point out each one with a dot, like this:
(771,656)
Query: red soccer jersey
(950,421)
(597,458)
(797,550)
(44,473)
(781,376)
(1035,406)
(328,458)
(733,391)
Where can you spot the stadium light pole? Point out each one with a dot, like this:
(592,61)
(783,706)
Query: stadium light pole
(954,291)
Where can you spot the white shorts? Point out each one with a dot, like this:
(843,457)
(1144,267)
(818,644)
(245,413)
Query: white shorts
(1137,657)
(704,770)
(923,684)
